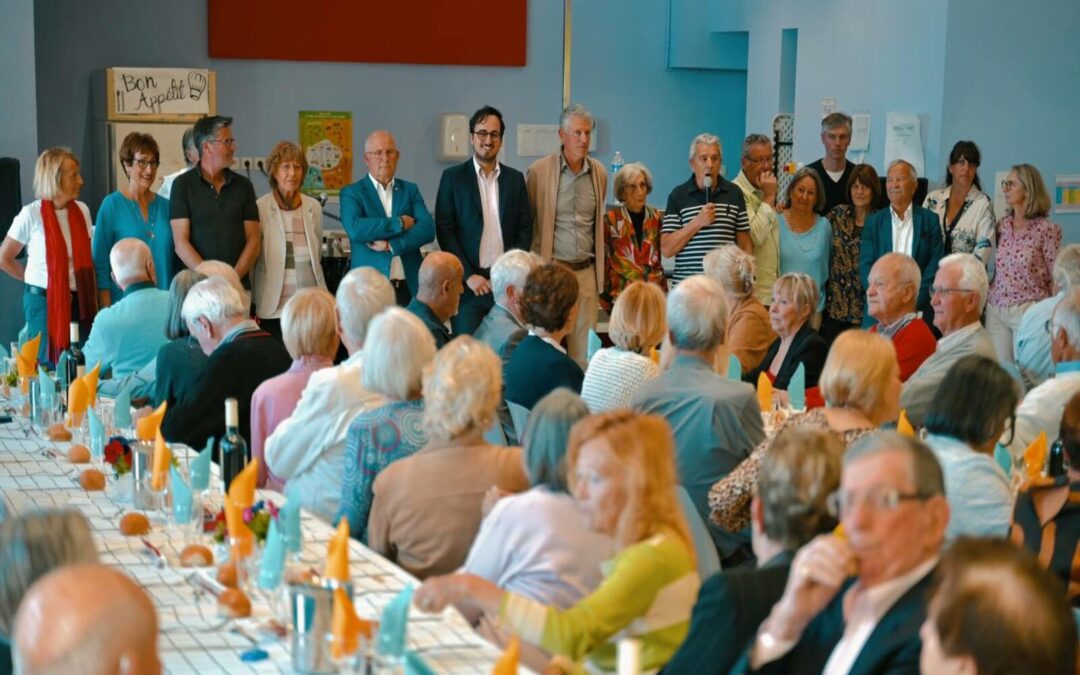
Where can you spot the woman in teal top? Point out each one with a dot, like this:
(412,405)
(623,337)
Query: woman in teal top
(622,474)
(805,237)
(134,211)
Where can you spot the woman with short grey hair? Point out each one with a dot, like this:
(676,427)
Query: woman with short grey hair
(180,361)
(631,236)
(749,332)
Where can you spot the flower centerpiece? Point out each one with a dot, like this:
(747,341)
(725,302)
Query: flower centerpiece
(257,518)
(118,454)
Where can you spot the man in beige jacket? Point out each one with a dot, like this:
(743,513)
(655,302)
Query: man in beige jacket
(566,192)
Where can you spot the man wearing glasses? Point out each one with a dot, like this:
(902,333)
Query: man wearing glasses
(211,208)
(958,296)
(758,184)
(481,211)
(855,600)
(386,218)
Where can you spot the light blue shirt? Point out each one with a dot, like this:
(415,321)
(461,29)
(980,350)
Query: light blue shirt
(120,218)
(980,501)
(127,335)
(807,253)
(1032,342)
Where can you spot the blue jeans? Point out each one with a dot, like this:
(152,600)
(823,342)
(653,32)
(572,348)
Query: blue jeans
(35,311)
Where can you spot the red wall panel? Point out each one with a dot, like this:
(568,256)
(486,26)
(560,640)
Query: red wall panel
(447,32)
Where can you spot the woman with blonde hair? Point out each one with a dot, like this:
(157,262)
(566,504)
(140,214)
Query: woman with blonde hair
(636,327)
(749,332)
(622,473)
(861,387)
(425,509)
(309,328)
(59,280)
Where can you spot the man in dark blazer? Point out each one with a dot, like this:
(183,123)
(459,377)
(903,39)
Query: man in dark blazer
(438,294)
(386,218)
(855,600)
(916,230)
(482,209)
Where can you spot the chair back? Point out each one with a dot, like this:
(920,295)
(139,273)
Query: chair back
(520,415)
(708,559)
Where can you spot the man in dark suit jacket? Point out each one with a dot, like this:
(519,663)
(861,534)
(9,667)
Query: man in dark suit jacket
(438,294)
(915,229)
(386,218)
(241,357)
(482,209)
(892,506)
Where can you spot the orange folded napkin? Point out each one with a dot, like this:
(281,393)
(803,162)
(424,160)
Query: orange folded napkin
(346,626)
(242,489)
(27,357)
(238,529)
(91,379)
(1035,456)
(654,354)
(78,398)
(764,393)
(337,553)
(146,428)
(508,662)
(160,465)
(903,425)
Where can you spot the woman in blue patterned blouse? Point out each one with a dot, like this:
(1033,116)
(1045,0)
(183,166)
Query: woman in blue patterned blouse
(397,348)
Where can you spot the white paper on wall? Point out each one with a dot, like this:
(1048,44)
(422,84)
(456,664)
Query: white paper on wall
(860,132)
(903,140)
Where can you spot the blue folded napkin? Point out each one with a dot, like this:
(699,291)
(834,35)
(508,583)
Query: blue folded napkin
(290,517)
(61,369)
(395,621)
(416,665)
(97,436)
(796,389)
(200,467)
(181,497)
(46,388)
(122,410)
(594,344)
(734,368)
(273,557)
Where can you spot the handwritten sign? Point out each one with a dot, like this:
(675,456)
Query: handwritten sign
(160,93)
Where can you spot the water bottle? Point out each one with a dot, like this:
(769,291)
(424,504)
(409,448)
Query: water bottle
(617,163)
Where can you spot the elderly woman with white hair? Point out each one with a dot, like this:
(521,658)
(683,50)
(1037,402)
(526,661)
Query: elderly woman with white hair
(241,357)
(180,361)
(399,348)
(749,332)
(425,510)
(60,286)
(631,236)
(309,329)
(636,327)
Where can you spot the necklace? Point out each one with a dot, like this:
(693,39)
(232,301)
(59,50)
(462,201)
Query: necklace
(806,240)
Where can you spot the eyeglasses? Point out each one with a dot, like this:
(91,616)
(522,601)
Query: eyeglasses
(483,135)
(382,154)
(759,160)
(1008,184)
(146,163)
(229,142)
(941,290)
(882,499)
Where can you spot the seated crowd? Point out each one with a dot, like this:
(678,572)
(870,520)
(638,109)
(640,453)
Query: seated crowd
(884,509)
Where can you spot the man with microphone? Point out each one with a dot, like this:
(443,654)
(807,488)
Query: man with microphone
(703,213)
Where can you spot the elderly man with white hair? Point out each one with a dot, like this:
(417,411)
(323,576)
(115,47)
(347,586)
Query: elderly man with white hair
(958,295)
(903,228)
(716,421)
(1041,409)
(241,357)
(127,335)
(438,294)
(891,292)
(1032,340)
(307,450)
(503,327)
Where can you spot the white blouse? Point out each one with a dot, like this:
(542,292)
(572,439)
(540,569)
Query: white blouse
(28,229)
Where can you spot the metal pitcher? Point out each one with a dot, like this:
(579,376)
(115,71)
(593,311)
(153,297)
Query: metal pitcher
(142,458)
(312,609)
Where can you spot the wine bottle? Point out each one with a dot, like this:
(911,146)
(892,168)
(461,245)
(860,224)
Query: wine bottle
(1057,464)
(75,364)
(232,447)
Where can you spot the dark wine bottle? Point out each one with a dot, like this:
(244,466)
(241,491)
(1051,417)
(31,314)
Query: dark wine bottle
(1057,464)
(232,447)
(76,361)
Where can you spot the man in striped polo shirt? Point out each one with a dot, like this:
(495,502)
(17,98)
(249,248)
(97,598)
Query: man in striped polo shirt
(699,218)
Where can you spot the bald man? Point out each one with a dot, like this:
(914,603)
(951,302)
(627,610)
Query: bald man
(386,218)
(127,335)
(439,293)
(87,619)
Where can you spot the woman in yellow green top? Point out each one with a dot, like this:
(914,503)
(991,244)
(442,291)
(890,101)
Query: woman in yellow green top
(622,473)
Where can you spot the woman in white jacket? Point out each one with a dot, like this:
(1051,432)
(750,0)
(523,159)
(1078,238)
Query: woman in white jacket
(291,225)
(965,212)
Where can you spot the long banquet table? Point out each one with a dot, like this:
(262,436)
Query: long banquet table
(35,474)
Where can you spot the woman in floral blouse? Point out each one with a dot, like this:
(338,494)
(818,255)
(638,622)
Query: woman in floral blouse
(844,292)
(1028,243)
(631,236)
(965,212)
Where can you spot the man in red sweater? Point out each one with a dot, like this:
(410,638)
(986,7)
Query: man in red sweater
(891,292)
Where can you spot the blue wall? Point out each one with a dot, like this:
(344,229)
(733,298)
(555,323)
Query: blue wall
(1012,84)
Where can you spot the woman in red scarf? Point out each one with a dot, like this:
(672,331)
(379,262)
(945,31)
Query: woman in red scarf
(59,271)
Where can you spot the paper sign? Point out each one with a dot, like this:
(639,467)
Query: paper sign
(1067,194)
(903,140)
(160,91)
(860,132)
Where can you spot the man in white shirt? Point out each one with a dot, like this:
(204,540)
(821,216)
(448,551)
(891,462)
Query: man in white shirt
(1040,411)
(958,296)
(481,211)
(855,599)
(308,449)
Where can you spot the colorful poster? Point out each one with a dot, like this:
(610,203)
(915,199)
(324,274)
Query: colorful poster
(326,139)
(1067,194)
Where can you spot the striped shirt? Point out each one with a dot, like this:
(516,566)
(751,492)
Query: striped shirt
(684,203)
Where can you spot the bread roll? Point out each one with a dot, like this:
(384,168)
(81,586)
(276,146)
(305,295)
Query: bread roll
(233,603)
(196,555)
(92,480)
(134,524)
(78,454)
(58,432)
(226,575)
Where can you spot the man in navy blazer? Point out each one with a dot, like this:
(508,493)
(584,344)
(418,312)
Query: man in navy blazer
(481,211)
(855,600)
(386,218)
(902,228)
